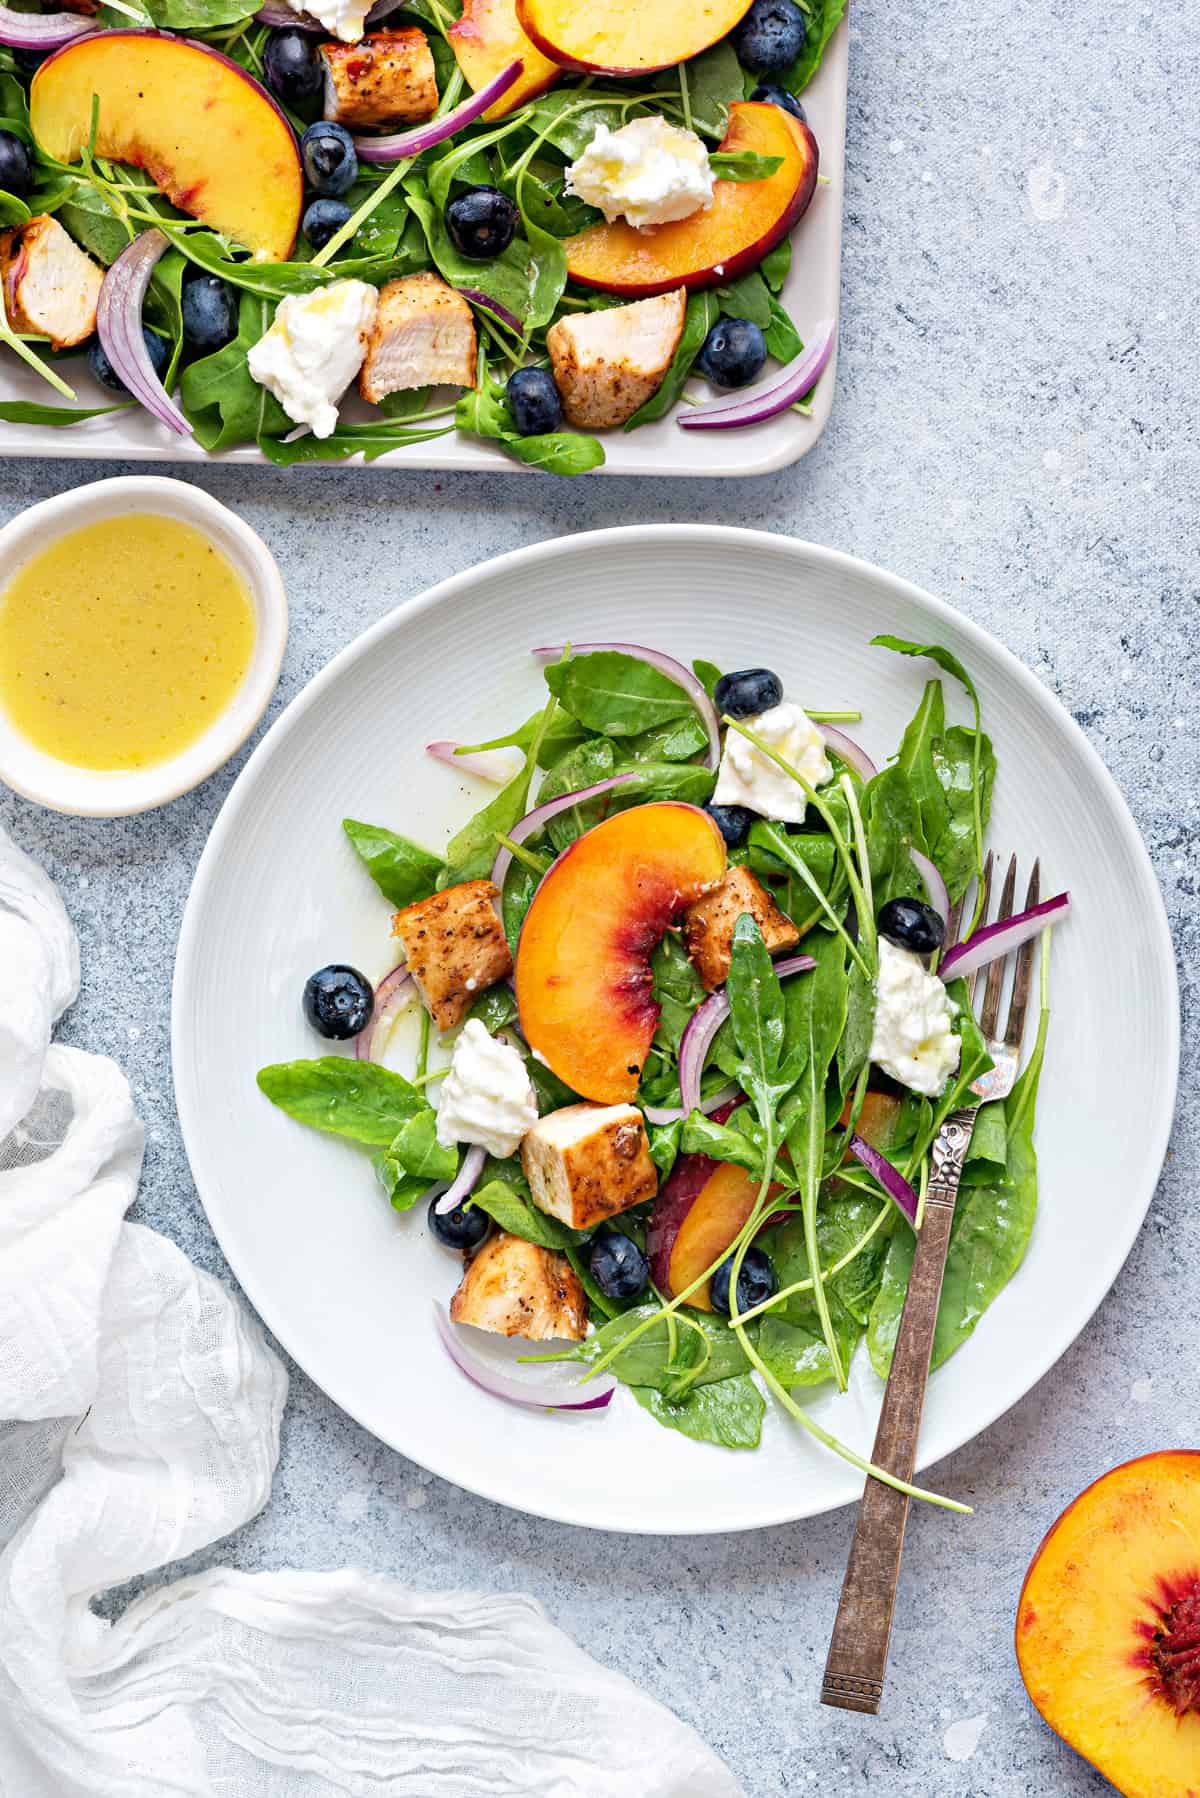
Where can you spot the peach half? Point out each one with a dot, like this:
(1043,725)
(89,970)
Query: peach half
(583,960)
(1108,1626)
(713,248)
(207,134)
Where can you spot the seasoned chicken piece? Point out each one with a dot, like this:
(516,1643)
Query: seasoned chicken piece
(50,285)
(708,924)
(424,336)
(514,1288)
(385,79)
(587,1162)
(455,947)
(607,364)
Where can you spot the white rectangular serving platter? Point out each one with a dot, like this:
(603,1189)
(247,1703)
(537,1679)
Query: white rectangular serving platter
(810,294)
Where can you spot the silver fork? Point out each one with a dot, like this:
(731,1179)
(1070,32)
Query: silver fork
(858,1649)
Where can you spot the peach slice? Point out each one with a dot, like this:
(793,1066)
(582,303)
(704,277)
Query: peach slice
(613,37)
(877,1120)
(583,959)
(486,39)
(695,1218)
(713,248)
(1108,1626)
(210,138)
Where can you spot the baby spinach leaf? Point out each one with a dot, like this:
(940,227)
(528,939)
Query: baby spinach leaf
(739,1141)
(527,278)
(715,79)
(743,165)
(955,762)
(515,1212)
(664,1146)
(823,19)
(701,316)
(220,397)
(697,1345)
(471,852)
(402,870)
(417,1150)
(748,298)
(93,224)
(13,211)
(568,119)
(915,761)
(403,1189)
(495,1009)
(728,1413)
(756,1014)
(707,673)
(484,410)
(677,741)
(355,1099)
(617,694)
(775,264)
(784,342)
(197,15)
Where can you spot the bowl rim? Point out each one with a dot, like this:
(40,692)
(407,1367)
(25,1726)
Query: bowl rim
(1060,1333)
(113,793)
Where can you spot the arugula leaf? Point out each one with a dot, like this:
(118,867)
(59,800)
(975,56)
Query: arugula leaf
(356,1099)
(402,870)
(484,410)
(728,1413)
(220,397)
(515,1212)
(823,19)
(699,319)
(740,1141)
(664,1141)
(29,412)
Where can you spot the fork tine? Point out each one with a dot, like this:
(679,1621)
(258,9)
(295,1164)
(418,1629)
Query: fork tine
(954,923)
(1014,1030)
(990,1014)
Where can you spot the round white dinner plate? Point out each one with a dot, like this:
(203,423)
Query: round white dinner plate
(347,1285)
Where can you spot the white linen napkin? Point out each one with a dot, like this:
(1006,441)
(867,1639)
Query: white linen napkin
(139,1421)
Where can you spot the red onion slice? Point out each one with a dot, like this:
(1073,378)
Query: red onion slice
(703,1025)
(775,395)
(891,1180)
(533,821)
(394,992)
(465,1181)
(41,30)
(683,677)
(670,1114)
(995,940)
(487,764)
(548,1395)
(848,751)
(935,886)
(119,327)
(436,131)
(477,297)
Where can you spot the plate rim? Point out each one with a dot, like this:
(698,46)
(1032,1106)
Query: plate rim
(591,544)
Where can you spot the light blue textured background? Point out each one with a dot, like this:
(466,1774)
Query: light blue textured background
(1015,428)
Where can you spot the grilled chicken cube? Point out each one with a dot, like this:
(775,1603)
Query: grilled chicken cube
(385,79)
(708,924)
(455,947)
(423,336)
(50,285)
(607,364)
(514,1288)
(587,1162)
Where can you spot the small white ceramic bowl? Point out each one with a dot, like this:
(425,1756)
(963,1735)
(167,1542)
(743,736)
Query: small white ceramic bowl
(91,793)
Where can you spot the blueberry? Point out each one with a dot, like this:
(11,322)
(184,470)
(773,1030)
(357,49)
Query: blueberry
(291,68)
(747,692)
(210,312)
(463,1228)
(16,165)
(770,36)
(338,1001)
(330,162)
(733,822)
(756,1282)
(321,219)
(482,222)
(29,61)
(158,349)
(533,402)
(618,1266)
(911,925)
(733,352)
(769,94)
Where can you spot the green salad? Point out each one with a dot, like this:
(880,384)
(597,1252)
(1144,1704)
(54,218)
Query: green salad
(341,235)
(699,965)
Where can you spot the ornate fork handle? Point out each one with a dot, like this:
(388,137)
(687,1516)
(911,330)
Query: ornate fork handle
(859,1645)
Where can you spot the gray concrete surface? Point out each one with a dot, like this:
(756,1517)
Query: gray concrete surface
(1015,428)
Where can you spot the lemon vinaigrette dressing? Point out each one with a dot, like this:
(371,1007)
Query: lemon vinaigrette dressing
(121,642)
